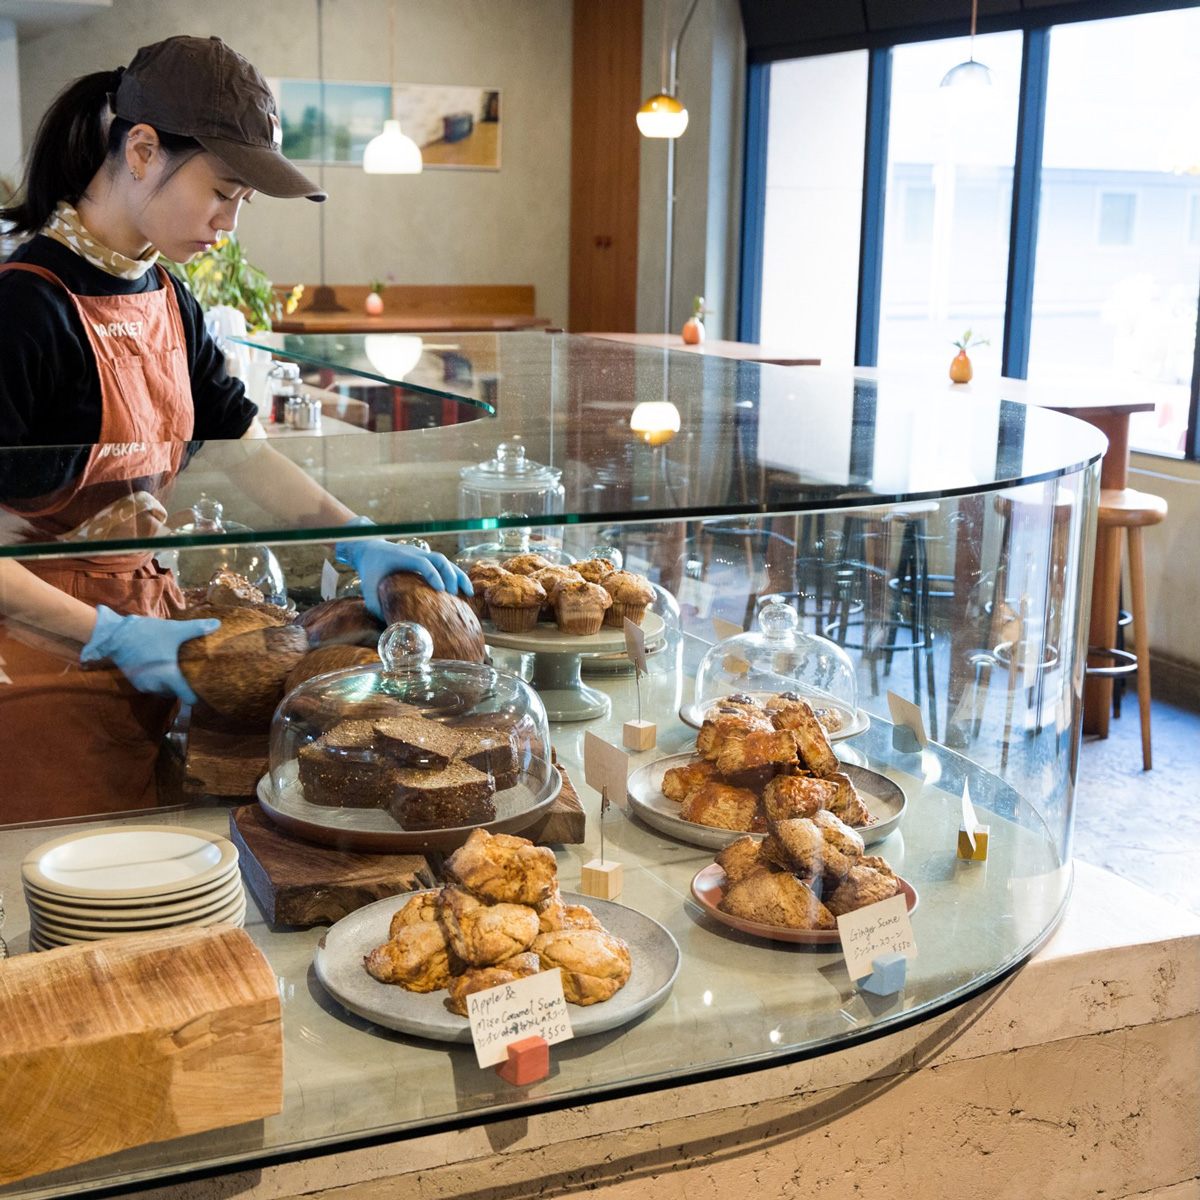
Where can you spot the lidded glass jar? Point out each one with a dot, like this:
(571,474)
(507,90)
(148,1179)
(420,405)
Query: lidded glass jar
(283,384)
(511,486)
(194,566)
(780,658)
(411,746)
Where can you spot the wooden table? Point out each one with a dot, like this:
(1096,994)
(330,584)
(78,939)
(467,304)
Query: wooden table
(748,351)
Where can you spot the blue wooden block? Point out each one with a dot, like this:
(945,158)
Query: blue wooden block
(887,975)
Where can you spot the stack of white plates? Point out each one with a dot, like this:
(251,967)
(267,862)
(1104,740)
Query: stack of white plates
(107,882)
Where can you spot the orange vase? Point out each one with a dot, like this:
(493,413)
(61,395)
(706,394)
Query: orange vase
(960,368)
(693,331)
(374,304)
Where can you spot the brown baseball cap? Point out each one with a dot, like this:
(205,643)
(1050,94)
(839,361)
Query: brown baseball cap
(200,88)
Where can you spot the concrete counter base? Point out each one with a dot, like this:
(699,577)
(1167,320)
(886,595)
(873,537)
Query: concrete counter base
(1078,1076)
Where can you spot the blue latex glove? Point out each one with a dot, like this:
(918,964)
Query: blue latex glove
(146,650)
(376,558)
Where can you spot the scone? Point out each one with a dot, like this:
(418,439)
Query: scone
(776,898)
(595,964)
(479,979)
(723,807)
(503,868)
(485,934)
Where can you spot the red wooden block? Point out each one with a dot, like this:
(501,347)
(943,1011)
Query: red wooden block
(528,1061)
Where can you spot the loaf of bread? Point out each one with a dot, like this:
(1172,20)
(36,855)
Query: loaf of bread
(456,795)
(322,660)
(344,621)
(449,620)
(239,670)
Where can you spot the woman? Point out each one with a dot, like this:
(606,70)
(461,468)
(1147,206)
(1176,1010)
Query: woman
(105,359)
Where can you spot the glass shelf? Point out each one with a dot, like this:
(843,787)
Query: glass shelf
(753,439)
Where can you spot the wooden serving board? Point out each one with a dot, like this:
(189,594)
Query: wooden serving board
(300,883)
(564,822)
(224,764)
(133,1040)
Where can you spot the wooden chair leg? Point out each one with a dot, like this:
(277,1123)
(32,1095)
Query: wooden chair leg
(1141,637)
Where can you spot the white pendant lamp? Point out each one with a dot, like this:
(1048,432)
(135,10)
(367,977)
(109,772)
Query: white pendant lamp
(392,152)
(662,116)
(970,74)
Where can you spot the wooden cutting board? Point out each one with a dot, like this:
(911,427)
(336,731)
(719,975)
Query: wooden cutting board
(300,883)
(133,1040)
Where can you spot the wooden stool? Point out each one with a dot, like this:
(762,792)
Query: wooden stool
(1132,511)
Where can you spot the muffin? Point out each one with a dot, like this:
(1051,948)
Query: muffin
(550,578)
(595,570)
(526,564)
(482,576)
(579,606)
(514,602)
(630,594)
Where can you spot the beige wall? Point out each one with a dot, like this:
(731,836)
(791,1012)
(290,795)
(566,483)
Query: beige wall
(443,226)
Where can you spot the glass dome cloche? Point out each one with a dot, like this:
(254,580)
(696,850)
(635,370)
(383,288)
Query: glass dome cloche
(780,659)
(408,753)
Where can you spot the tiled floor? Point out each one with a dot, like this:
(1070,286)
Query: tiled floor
(1144,825)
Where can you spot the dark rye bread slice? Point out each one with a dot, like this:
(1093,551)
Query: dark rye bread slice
(417,741)
(342,769)
(491,750)
(455,795)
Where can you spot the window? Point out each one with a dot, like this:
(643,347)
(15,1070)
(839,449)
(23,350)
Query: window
(814,204)
(1114,291)
(949,182)
(1117,212)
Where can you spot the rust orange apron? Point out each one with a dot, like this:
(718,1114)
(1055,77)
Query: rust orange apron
(77,741)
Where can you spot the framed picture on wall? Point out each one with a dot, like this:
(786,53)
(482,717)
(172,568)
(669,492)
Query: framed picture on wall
(332,122)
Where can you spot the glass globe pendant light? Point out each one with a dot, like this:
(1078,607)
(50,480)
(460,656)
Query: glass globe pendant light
(392,152)
(969,73)
(662,116)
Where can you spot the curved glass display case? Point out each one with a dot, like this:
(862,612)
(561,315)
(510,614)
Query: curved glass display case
(942,544)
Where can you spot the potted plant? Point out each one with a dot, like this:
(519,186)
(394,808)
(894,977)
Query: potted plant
(960,366)
(224,275)
(693,327)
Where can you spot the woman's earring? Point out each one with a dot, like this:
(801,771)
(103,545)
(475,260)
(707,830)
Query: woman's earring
(135,175)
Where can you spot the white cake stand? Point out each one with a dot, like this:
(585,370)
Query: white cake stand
(556,661)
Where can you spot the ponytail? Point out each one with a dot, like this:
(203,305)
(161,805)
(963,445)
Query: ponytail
(76,136)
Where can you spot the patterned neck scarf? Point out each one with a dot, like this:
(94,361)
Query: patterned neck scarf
(65,226)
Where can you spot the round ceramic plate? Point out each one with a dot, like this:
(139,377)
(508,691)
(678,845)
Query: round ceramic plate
(120,905)
(85,920)
(137,861)
(54,935)
(708,886)
(339,966)
(883,797)
(852,723)
(547,638)
(223,889)
(374,829)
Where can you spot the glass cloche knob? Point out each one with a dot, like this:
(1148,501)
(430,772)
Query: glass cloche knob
(608,553)
(405,648)
(207,514)
(510,456)
(777,618)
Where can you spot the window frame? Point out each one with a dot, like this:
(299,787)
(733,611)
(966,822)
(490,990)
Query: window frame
(1023,231)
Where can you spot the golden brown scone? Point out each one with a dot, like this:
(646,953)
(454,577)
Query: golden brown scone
(741,858)
(424,906)
(730,723)
(862,886)
(679,782)
(815,751)
(773,853)
(595,964)
(418,958)
(526,564)
(847,803)
(756,751)
(776,898)
(721,806)
(501,867)
(479,979)
(816,850)
(796,796)
(485,934)
(554,913)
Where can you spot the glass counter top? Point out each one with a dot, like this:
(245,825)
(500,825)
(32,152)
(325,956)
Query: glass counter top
(720,437)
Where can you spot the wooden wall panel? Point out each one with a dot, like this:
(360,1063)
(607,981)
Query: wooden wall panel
(605,153)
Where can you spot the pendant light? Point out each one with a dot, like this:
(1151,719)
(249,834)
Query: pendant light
(392,152)
(662,116)
(970,73)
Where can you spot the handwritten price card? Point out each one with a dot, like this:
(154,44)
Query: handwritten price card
(635,645)
(605,768)
(528,1007)
(329,581)
(906,715)
(882,928)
